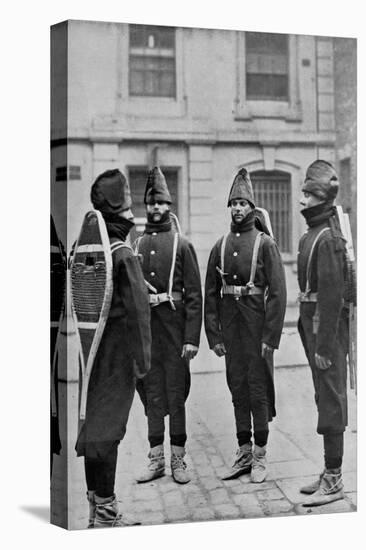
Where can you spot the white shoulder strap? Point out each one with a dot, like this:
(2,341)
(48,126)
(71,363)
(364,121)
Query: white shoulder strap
(172,267)
(119,244)
(137,245)
(222,255)
(253,267)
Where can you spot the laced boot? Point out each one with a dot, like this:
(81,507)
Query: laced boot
(92,508)
(178,465)
(312,487)
(259,465)
(107,514)
(156,467)
(243,462)
(330,488)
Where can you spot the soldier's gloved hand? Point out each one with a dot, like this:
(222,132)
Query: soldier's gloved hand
(189,351)
(322,362)
(220,350)
(267,351)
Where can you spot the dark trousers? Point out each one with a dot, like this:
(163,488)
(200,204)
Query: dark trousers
(100,474)
(247,378)
(165,386)
(333,450)
(330,385)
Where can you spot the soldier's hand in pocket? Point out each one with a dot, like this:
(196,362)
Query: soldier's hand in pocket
(322,362)
(189,351)
(220,350)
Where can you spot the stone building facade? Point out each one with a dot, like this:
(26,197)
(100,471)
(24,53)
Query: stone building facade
(345,87)
(201,104)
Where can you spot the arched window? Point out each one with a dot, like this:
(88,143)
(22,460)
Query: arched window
(272,191)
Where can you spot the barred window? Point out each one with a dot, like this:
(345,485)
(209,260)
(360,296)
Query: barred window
(137,177)
(272,191)
(267,62)
(152,61)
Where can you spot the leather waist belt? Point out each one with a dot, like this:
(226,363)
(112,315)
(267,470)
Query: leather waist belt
(156,299)
(308,297)
(242,290)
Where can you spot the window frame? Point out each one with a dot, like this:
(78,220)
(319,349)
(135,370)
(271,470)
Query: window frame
(143,106)
(258,56)
(248,109)
(271,179)
(145,53)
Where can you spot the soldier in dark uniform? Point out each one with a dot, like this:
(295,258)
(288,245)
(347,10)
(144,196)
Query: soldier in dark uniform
(126,339)
(171,271)
(245,301)
(323,322)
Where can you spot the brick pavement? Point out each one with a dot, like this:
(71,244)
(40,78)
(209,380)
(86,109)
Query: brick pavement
(294,455)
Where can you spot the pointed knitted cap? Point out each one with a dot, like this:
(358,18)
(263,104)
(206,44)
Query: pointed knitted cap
(321,180)
(156,187)
(110,193)
(242,188)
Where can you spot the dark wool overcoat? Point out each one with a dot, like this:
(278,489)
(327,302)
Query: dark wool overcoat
(57,283)
(55,441)
(260,319)
(171,328)
(126,338)
(327,279)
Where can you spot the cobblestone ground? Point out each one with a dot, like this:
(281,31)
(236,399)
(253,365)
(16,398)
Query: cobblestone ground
(294,457)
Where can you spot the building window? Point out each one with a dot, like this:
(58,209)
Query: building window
(272,191)
(267,66)
(152,61)
(137,177)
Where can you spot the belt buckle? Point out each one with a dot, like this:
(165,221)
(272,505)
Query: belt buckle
(237,290)
(153,299)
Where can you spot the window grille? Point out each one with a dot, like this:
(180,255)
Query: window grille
(152,61)
(267,62)
(272,191)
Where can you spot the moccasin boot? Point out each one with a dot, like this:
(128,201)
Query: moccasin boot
(92,508)
(178,465)
(107,514)
(312,487)
(156,467)
(330,489)
(259,465)
(243,462)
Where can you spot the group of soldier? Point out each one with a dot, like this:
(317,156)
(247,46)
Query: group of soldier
(154,323)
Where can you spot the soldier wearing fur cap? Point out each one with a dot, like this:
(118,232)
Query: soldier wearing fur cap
(171,271)
(245,300)
(323,323)
(126,338)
